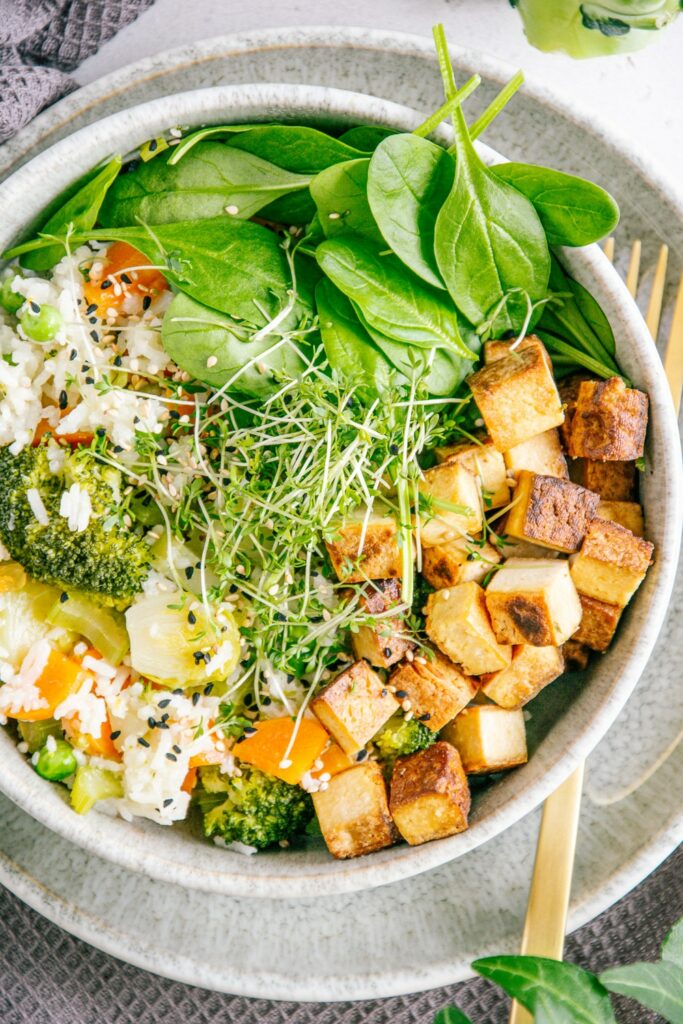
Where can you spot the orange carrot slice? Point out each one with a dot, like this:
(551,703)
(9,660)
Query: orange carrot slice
(109,290)
(60,677)
(266,748)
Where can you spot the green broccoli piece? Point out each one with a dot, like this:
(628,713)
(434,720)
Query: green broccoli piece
(252,808)
(400,737)
(104,560)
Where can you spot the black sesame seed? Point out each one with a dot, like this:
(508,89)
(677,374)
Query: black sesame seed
(189,572)
(196,696)
(146,302)
(266,701)
(279,617)
(163,725)
(207,689)
(100,432)
(117,449)
(250,731)
(92,319)
(233,588)
(142,741)
(92,308)
(34,307)
(191,618)
(387,652)
(118,361)
(165,702)
(95,336)
(63,597)
(393,448)
(164,717)
(176,748)
(401,694)
(361,755)
(168,801)
(106,283)
(179,692)
(63,399)
(171,757)
(425,717)
(153,146)
(115,735)
(174,414)
(126,279)
(89,380)
(72,354)
(384,693)
(151,722)
(136,419)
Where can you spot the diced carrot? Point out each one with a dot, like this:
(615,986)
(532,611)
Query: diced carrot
(109,290)
(96,746)
(266,748)
(60,677)
(334,761)
(75,438)
(215,754)
(190,781)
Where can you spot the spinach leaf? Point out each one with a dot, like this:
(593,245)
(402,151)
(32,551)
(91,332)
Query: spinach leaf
(408,182)
(592,313)
(341,199)
(392,299)
(194,336)
(672,949)
(451,1015)
(657,986)
(565,319)
(365,137)
(573,211)
(348,347)
(209,131)
(295,147)
(79,211)
(526,977)
(211,181)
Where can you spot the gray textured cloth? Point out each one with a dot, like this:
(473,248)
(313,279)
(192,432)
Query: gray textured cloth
(42,40)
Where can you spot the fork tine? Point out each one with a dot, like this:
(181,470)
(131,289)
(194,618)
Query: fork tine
(608,248)
(634,268)
(654,309)
(673,357)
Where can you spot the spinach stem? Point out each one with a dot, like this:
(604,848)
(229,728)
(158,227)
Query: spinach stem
(447,108)
(450,88)
(403,495)
(556,345)
(496,105)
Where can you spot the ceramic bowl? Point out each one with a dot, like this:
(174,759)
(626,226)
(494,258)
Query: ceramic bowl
(567,720)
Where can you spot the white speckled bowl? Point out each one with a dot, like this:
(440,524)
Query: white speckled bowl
(569,717)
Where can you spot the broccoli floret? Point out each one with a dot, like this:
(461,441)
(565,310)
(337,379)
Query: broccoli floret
(104,559)
(400,737)
(252,808)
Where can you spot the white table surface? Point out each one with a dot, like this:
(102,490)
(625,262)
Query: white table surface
(640,97)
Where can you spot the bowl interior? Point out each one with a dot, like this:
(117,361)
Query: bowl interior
(566,720)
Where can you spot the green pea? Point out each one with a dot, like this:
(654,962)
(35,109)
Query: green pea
(9,300)
(56,764)
(43,325)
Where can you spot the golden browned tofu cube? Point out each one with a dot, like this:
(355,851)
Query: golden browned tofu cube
(459,625)
(486,465)
(517,396)
(550,512)
(354,706)
(488,738)
(598,623)
(576,655)
(626,513)
(568,388)
(530,670)
(382,642)
(380,555)
(609,421)
(429,796)
(450,484)
(611,564)
(613,481)
(499,349)
(458,561)
(353,812)
(533,601)
(436,688)
(541,454)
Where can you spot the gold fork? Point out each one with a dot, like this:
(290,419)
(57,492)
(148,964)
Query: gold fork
(546,916)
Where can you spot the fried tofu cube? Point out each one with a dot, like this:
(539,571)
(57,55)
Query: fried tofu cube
(353,812)
(576,655)
(429,795)
(517,396)
(569,392)
(530,670)
(459,625)
(598,623)
(613,481)
(380,556)
(533,601)
(499,349)
(436,688)
(550,512)
(458,561)
(611,564)
(450,483)
(485,463)
(488,738)
(515,548)
(626,513)
(540,454)
(354,706)
(382,642)
(609,421)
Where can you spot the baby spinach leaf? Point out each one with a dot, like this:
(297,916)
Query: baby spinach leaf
(565,318)
(211,181)
(365,137)
(592,313)
(573,211)
(348,346)
(295,147)
(657,986)
(408,182)
(672,949)
(209,131)
(194,336)
(451,1015)
(392,299)
(80,211)
(340,194)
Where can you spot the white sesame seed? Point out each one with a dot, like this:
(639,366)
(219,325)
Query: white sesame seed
(211,361)
(232,210)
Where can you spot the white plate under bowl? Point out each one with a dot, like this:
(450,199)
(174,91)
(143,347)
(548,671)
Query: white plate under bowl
(567,720)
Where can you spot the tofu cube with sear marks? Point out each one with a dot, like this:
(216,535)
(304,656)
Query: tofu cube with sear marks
(613,481)
(458,561)
(459,625)
(354,706)
(609,421)
(488,738)
(540,454)
(598,623)
(576,655)
(550,512)
(626,513)
(381,643)
(380,556)
(485,463)
(517,396)
(530,670)
(353,812)
(611,564)
(533,601)
(429,797)
(444,485)
(436,688)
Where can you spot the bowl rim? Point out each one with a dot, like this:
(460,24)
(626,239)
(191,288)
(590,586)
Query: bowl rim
(123,131)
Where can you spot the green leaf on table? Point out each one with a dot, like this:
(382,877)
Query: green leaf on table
(657,986)
(341,197)
(672,947)
(451,1015)
(526,978)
